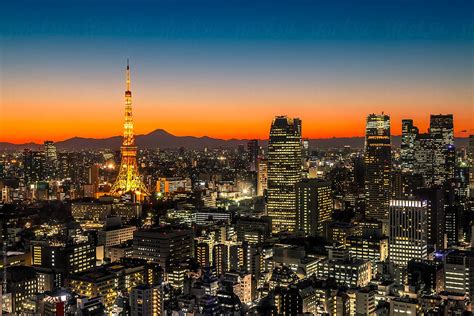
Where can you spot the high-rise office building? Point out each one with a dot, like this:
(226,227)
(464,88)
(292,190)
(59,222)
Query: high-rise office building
(378,164)
(429,159)
(253,150)
(407,148)
(443,126)
(424,157)
(314,205)
(434,198)
(284,171)
(453,223)
(33,166)
(450,162)
(461,186)
(50,150)
(435,155)
(93,178)
(471,165)
(408,237)
(404,183)
(442,132)
(262,177)
(453,216)
(51,160)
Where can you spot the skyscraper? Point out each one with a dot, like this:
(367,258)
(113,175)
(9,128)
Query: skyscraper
(408,237)
(253,149)
(407,149)
(443,126)
(34,166)
(313,205)
(284,171)
(454,215)
(471,165)
(429,159)
(51,160)
(128,179)
(93,178)
(50,150)
(434,151)
(378,164)
(262,177)
(442,132)
(434,198)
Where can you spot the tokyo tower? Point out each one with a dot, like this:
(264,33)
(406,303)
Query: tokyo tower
(128,179)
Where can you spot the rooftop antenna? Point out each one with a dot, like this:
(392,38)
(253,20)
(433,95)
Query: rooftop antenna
(128,76)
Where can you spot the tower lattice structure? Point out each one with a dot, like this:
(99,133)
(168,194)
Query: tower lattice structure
(128,179)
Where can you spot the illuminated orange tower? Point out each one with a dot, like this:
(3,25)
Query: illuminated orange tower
(128,179)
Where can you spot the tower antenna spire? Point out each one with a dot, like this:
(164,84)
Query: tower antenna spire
(128,75)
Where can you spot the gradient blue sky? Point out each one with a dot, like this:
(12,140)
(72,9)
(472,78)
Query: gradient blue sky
(225,68)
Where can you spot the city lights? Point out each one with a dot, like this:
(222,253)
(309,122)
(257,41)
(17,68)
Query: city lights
(279,158)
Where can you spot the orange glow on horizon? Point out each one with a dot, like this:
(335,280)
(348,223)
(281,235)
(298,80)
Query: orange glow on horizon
(96,111)
(227,127)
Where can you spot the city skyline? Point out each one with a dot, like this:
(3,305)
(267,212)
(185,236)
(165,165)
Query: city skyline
(330,169)
(223,72)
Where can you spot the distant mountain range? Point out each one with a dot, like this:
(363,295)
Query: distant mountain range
(162,139)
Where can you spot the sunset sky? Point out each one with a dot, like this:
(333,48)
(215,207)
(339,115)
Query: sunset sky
(226,68)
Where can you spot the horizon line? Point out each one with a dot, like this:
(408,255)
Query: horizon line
(198,137)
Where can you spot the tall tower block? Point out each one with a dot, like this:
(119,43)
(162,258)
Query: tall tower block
(283,172)
(378,166)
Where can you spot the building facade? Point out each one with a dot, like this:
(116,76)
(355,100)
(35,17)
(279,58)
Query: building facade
(408,236)
(407,147)
(314,206)
(165,245)
(378,165)
(147,300)
(284,171)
